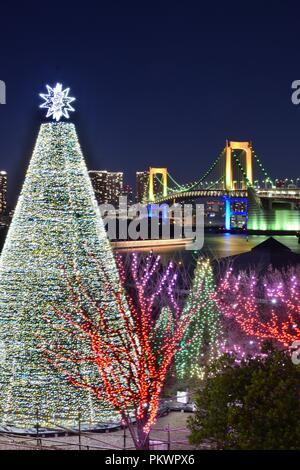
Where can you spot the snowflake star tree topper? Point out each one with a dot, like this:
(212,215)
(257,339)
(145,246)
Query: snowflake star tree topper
(57,102)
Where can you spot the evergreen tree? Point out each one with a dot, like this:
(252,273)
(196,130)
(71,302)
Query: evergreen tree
(55,224)
(251,406)
(200,344)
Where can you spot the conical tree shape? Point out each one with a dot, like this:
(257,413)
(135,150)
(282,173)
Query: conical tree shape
(200,344)
(55,219)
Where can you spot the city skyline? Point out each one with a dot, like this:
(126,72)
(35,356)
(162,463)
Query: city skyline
(133,189)
(137,188)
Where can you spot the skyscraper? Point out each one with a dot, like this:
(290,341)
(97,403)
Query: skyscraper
(128,192)
(115,186)
(3,192)
(142,178)
(108,186)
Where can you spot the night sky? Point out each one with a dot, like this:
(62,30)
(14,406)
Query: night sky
(157,83)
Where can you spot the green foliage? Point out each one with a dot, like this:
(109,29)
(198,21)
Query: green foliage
(200,344)
(254,405)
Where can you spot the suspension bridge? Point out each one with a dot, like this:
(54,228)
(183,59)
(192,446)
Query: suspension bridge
(231,177)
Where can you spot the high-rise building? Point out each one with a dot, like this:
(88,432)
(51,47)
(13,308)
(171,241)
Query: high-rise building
(142,181)
(108,186)
(115,185)
(99,182)
(128,192)
(3,192)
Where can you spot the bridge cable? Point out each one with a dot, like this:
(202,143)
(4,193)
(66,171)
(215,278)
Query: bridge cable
(190,186)
(261,167)
(240,166)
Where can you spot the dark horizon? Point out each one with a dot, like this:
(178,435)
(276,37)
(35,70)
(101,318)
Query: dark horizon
(159,85)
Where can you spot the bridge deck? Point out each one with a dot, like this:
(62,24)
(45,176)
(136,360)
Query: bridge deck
(273,193)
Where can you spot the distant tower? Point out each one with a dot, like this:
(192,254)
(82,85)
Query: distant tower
(108,186)
(246,148)
(115,186)
(152,173)
(142,184)
(3,192)
(99,182)
(128,192)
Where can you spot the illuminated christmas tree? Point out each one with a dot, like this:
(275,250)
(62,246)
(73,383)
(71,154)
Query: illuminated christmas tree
(55,223)
(200,344)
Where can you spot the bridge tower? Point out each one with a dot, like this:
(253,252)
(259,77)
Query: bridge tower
(230,146)
(152,173)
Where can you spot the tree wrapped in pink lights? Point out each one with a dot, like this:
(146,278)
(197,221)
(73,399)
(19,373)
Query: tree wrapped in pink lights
(264,308)
(130,368)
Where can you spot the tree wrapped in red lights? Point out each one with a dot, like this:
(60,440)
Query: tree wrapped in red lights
(131,369)
(265,308)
